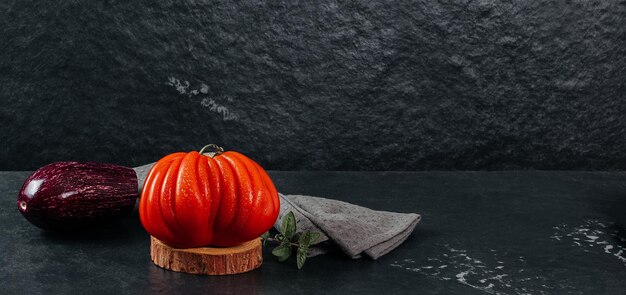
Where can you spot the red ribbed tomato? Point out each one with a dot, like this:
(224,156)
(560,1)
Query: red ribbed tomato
(193,200)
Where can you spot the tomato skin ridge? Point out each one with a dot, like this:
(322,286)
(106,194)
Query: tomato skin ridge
(270,186)
(185,197)
(206,203)
(257,190)
(225,216)
(244,188)
(147,209)
(167,198)
(215,191)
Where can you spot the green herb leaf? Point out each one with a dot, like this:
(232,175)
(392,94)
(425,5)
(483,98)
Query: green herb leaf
(314,237)
(308,238)
(288,227)
(288,238)
(301,256)
(282,252)
(283,258)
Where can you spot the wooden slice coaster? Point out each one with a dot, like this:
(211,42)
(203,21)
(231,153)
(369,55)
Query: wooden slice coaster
(208,260)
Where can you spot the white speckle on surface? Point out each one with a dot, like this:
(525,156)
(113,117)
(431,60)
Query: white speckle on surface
(461,276)
(68,194)
(620,256)
(213,104)
(204,89)
(597,239)
(483,272)
(181,86)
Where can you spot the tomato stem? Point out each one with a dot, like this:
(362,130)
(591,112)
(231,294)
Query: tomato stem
(215,149)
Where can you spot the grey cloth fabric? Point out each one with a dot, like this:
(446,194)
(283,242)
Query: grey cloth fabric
(353,229)
(142,173)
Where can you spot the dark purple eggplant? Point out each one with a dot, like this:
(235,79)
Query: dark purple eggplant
(74,195)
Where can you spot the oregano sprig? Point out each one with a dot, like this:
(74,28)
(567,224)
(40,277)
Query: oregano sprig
(288,240)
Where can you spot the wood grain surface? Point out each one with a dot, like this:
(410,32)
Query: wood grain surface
(208,260)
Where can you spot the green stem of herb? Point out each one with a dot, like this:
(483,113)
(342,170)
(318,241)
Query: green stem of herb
(277,241)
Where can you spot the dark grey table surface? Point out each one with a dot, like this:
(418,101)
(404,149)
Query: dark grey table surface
(481,233)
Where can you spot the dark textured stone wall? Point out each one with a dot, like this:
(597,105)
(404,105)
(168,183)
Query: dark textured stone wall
(401,85)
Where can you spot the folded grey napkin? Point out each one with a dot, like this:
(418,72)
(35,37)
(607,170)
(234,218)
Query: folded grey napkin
(352,229)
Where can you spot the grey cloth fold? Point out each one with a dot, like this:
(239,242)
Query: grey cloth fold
(353,229)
